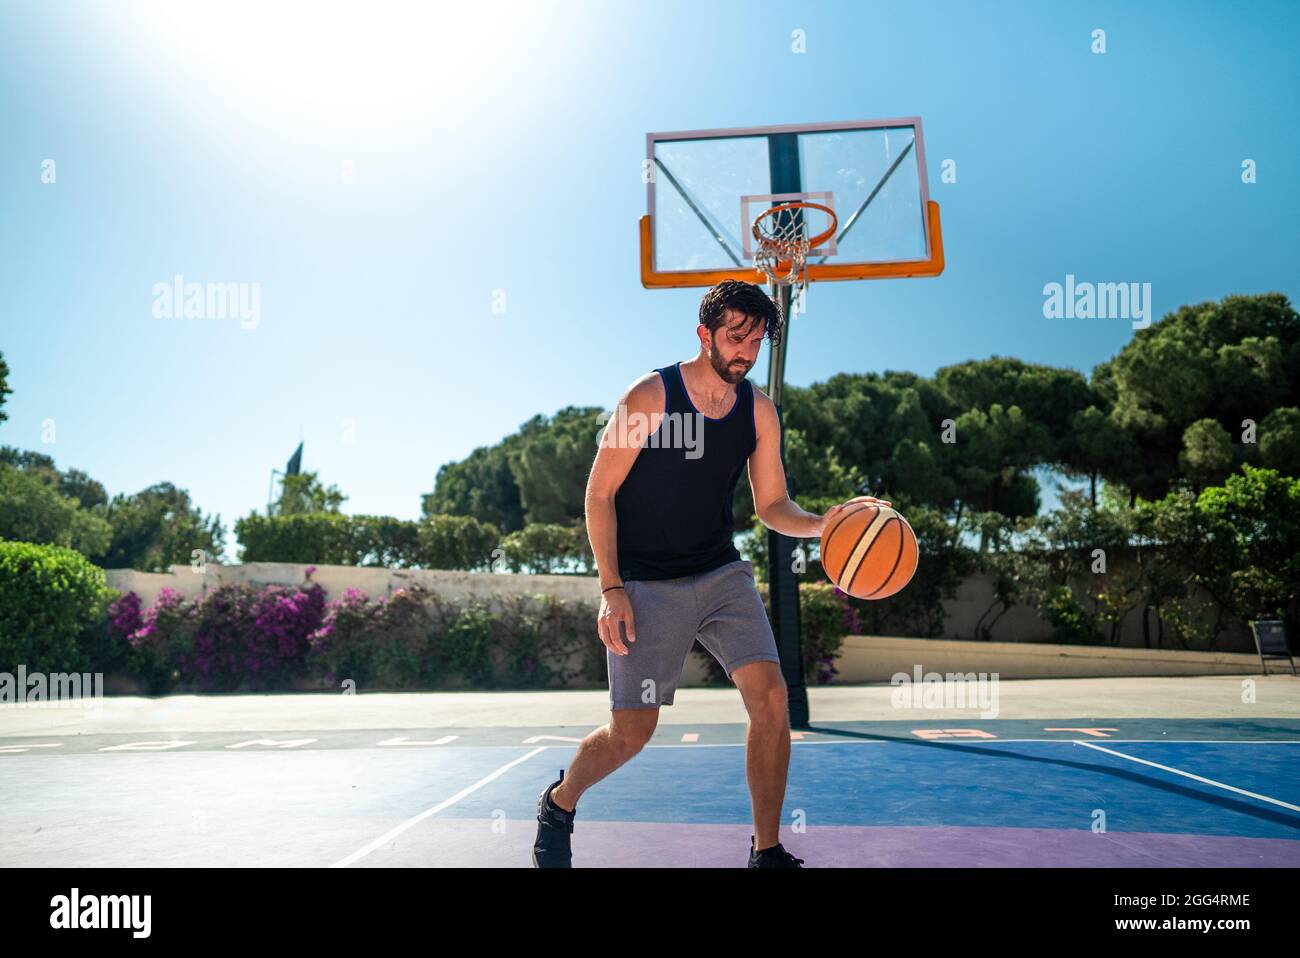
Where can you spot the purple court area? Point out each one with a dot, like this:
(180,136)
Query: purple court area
(648,845)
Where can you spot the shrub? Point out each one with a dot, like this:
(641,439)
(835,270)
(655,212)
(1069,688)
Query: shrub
(49,597)
(455,542)
(158,646)
(466,646)
(539,635)
(405,652)
(825,618)
(543,547)
(343,648)
(415,639)
(324,537)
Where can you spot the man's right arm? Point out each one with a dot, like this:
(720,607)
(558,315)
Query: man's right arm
(642,403)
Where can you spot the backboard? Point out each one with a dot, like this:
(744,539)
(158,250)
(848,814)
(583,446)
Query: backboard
(705,187)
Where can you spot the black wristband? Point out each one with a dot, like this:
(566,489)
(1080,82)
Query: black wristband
(603,591)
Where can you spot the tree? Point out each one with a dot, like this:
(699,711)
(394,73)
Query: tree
(551,463)
(305,494)
(1207,453)
(4,386)
(1231,361)
(1279,440)
(1095,446)
(991,458)
(481,486)
(32,510)
(1047,395)
(1256,515)
(157,528)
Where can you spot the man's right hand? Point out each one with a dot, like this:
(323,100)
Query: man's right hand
(615,608)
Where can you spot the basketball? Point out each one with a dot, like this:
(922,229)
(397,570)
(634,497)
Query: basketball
(869,551)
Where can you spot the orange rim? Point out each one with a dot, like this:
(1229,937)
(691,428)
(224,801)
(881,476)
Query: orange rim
(812,243)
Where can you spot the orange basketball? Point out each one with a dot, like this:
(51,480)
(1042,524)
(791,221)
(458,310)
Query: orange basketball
(869,551)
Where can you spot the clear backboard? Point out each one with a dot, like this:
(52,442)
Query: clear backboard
(706,187)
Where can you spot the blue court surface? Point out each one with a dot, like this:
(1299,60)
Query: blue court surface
(938,793)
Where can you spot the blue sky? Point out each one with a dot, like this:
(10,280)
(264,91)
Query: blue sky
(383,174)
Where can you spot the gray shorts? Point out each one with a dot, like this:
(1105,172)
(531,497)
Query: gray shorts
(721,607)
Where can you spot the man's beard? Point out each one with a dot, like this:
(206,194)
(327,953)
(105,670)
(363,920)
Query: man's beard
(729,373)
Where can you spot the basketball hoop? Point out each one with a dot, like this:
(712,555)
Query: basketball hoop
(783,241)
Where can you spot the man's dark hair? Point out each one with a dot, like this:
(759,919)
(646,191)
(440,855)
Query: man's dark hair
(746,298)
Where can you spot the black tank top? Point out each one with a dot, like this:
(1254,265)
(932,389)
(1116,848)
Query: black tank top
(674,507)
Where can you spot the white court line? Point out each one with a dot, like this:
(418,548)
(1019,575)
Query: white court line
(1164,741)
(393,833)
(1207,781)
(1126,741)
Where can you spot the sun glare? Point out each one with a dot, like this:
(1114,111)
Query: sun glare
(359,67)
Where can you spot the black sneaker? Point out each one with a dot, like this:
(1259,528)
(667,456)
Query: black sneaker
(554,826)
(774,857)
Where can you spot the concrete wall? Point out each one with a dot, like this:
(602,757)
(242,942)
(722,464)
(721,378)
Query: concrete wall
(876,658)
(375,582)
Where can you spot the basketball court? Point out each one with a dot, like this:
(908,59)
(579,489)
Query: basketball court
(1073,772)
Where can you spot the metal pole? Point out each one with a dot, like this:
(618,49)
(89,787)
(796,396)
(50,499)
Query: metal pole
(270,493)
(783,586)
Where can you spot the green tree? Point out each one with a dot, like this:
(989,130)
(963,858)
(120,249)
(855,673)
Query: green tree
(1256,515)
(4,386)
(1046,395)
(551,463)
(156,528)
(1095,446)
(481,486)
(32,510)
(1207,454)
(304,494)
(74,484)
(1279,440)
(991,459)
(1231,361)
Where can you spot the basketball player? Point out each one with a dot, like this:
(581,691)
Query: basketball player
(659,516)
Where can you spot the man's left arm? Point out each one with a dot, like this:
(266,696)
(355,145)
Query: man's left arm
(772,501)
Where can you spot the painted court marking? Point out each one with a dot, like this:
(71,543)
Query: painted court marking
(1207,781)
(394,832)
(405,740)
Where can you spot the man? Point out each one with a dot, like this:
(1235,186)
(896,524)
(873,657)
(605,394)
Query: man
(659,516)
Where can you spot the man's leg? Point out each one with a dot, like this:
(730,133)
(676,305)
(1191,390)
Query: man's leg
(604,750)
(767,745)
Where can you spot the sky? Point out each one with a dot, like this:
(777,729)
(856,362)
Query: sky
(437,206)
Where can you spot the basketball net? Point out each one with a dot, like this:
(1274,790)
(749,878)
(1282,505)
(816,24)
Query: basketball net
(783,242)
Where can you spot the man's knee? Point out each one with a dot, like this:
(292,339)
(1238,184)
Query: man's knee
(772,706)
(765,693)
(631,729)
